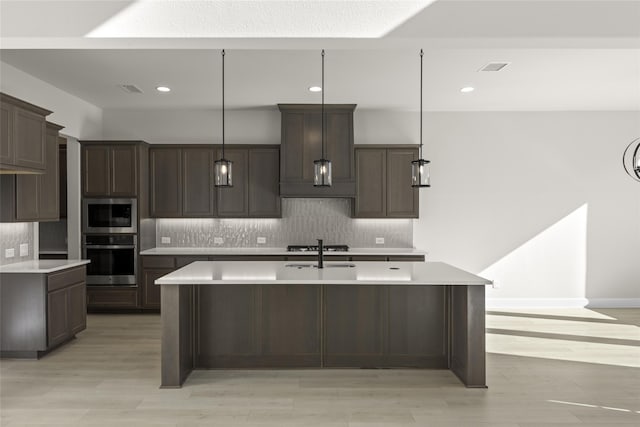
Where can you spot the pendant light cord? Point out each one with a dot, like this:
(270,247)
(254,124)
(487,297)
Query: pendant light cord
(421,55)
(223,103)
(322,142)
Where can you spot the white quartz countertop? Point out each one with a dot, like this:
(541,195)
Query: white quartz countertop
(42,265)
(363,273)
(276,251)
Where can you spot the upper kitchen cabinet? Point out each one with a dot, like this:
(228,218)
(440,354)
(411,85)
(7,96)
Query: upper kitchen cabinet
(109,169)
(255,191)
(181,182)
(33,197)
(384,183)
(301,144)
(22,136)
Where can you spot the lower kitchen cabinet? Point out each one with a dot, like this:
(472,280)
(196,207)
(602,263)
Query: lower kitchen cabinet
(41,311)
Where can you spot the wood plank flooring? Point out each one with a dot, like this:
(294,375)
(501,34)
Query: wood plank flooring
(549,368)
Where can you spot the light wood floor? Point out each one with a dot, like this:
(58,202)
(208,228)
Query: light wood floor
(563,368)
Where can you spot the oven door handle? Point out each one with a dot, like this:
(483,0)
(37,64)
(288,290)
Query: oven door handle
(110,246)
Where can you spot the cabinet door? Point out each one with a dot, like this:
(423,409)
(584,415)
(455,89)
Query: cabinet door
(234,201)
(57,317)
(77,295)
(27,196)
(197,189)
(339,144)
(354,326)
(290,326)
(124,174)
(6,134)
(96,171)
(264,185)
(29,139)
(165,167)
(48,183)
(293,134)
(62,176)
(402,198)
(371,183)
(150,291)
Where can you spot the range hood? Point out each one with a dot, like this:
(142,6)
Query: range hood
(301,144)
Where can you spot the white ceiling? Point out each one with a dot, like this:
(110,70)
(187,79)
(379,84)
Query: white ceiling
(564,55)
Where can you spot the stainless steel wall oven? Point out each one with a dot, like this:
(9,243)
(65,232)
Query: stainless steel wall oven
(113,259)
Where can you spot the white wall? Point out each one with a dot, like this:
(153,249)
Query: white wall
(539,202)
(81,119)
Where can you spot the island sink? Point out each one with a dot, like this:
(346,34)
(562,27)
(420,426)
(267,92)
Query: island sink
(325,265)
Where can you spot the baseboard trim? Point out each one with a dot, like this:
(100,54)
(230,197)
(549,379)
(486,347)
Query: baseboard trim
(562,302)
(535,302)
(614,303)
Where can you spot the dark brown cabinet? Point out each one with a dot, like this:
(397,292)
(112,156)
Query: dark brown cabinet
(197,194)
(233,202)
(22,136)
(301,144)
(384,183)
(385,326)
(165,169)
(62,176)
(46,309)
(33,197)
(109,169)
(264,190)
(181,182)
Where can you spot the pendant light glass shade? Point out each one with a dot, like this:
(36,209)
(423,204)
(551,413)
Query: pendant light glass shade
(420,174)
(222,173)
(631,159)
(222,167)
(322,166)
(322,173)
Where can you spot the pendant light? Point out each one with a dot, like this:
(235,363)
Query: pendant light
(631,159)
(420,176)
(322,166)
(222,166)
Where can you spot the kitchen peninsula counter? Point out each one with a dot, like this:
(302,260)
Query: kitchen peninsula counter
(269,314)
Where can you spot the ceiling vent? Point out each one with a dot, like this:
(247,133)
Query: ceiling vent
(130,88)
(494,66)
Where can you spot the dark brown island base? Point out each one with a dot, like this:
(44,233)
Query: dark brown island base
(266,314)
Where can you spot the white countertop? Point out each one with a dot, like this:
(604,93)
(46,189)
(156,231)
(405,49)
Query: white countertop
(42,266)
(276,251)
(364,273)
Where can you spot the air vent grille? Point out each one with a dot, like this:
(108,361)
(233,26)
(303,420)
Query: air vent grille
(494,66)
(130,88)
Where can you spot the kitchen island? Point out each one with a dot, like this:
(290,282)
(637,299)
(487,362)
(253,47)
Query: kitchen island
(272,314)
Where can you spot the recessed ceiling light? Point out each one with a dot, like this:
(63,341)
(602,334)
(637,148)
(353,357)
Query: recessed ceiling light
(467,89)
(315,89)
(163,89)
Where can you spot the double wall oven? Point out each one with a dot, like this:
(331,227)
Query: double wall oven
(109,240)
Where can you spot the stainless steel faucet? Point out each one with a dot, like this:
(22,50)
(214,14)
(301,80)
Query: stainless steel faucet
(320,254)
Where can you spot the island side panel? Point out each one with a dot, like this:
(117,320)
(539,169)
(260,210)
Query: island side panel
(468,357)
(177,334)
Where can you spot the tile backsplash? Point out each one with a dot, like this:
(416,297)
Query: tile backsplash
(303,221)
(12,235)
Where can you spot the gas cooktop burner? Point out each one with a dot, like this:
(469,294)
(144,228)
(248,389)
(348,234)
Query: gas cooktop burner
(314,248)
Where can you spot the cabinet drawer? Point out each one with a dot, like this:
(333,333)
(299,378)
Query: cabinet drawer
(369,258)
(112,298)
(64,278)
(181,261)
(247,258)
(415,258)
(153,261)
